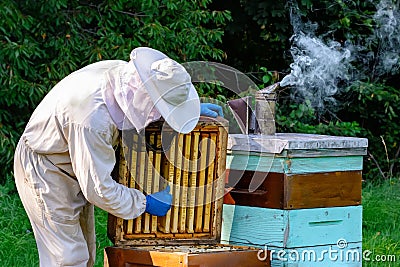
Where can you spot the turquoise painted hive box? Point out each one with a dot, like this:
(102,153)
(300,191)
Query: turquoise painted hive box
(303,237)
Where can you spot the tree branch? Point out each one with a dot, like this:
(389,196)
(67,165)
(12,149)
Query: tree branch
(377,165)
(394,161)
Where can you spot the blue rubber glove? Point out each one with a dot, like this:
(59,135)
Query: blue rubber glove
(211,110)
(159,203)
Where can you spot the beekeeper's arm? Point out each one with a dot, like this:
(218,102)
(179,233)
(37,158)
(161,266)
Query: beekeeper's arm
(93,159)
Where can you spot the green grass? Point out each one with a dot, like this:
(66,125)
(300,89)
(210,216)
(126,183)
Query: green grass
(17,246)
(381,231)
(381,222)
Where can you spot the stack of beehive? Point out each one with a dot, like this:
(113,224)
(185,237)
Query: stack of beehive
(298,195)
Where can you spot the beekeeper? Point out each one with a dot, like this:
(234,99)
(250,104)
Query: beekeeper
(65,156)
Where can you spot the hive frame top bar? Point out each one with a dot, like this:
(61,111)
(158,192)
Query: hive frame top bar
(292,141)
(203,121)
(205,248)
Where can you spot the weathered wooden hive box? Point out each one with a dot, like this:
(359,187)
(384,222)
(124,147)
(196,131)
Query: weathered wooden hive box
(189,235)
(292,171)
(296,193)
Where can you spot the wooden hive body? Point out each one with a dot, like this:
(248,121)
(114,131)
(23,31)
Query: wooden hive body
(254,226)
(298,238)
(193,165)
(293,171)
(184,256)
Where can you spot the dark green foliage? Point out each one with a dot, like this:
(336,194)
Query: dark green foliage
(43,41)
(259,35)
(302,119)
(376,108)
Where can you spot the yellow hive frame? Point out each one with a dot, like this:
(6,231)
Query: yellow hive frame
(193,165)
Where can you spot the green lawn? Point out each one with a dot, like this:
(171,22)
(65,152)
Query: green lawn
(381,223)
(17,246)
(381,231)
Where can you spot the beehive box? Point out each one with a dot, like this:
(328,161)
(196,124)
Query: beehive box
(193,165)
(302,237)
(184,256)
(293,171)
(254,226)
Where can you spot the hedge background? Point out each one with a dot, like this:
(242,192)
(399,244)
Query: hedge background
(43,41)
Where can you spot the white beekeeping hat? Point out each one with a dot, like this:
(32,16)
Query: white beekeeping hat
(169,86)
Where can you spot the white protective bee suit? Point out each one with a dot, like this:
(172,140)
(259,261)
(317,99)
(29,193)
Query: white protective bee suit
(65,156)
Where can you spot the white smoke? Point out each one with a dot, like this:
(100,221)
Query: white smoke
(387,35)
(321,67)
(318,67)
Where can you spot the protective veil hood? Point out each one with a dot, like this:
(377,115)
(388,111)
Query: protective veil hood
(127,99)
(149,86)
